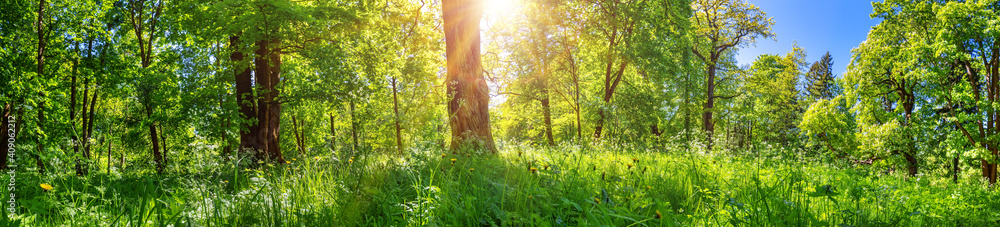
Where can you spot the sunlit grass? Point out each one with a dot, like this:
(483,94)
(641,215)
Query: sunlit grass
(520,186)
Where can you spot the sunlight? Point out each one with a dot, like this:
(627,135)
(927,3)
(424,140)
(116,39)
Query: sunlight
(499,10)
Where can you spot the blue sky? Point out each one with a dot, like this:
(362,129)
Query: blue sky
(817,26)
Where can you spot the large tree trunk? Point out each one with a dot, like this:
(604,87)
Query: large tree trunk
(468,108)
(267,64)
(395,109)
(709,106)
(244,99)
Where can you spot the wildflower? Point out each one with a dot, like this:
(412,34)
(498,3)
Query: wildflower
(444,155)
(529,197)
(317,158)
(471,169)
(658,215)
(598,201)
(46,186)
(635,159)
(533,169)
(293,159)
(288,162)
(453,161)
(629,166)
(226,181)
(468,155)
(545,167)
(350,160)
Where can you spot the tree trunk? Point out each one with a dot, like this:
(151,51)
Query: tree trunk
(108,138)
(157,157)
(955,168)
(40,60)
(163,144)
(468,108)
(354,129)
(395,109)
(610,83)
(244,99)
(709,105)
(547,114)
(298,137)
(267,64)
(333,134)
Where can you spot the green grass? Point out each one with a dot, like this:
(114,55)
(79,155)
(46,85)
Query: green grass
(599,186)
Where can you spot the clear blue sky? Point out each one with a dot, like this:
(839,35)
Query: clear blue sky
(817,25)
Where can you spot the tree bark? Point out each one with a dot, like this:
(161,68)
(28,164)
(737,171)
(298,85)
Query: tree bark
(298,137)
(333,133)
(354,129)
(267,64)
(468,104)
(157,157)
(709,105)
(547,114)
(40,60)
(395,109)
(244,99)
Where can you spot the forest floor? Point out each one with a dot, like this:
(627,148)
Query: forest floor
(519,186)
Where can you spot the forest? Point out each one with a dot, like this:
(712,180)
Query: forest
(492,113)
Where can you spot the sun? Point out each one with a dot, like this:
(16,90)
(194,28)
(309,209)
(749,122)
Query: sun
(499,9)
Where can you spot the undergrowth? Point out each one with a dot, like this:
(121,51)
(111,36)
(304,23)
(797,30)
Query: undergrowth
(519,186)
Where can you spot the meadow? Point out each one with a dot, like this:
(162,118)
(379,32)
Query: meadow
(522,185)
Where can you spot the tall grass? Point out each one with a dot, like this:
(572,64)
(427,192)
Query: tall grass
(520,186)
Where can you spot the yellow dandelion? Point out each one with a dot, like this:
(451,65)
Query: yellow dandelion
(444,155)
(635,159)
(453,161)
(471,169)
(288,162)
(546,167)
(317,158)
(658,215)
(46,186)
(350,160)
(533,169)
(293,159)
(629,166)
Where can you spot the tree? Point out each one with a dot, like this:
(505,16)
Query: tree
(819,79)
(772,94)
(468,93)
(143,17)
(721,26)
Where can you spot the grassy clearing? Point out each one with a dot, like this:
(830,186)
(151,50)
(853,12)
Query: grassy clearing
(520,186)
